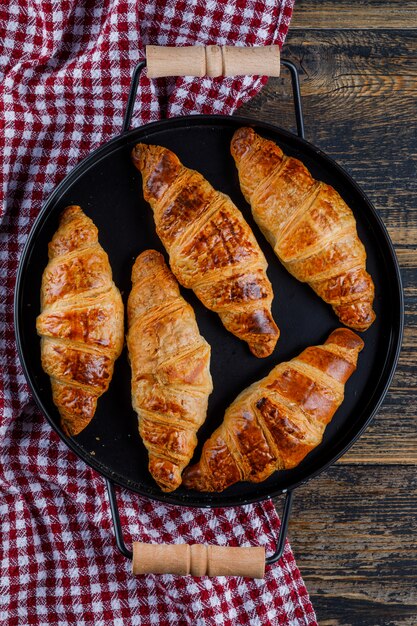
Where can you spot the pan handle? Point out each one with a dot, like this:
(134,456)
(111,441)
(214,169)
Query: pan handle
(134,84)
(198,559)
(212,61)
(288,64)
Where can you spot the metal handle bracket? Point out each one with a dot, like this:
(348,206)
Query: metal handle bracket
(288,64)
(282,530)
(120,542)
(124,550)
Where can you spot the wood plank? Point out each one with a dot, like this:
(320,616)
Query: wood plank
(363,129)
(353,531)
(407,257)
(354,116)
(343,14)
(355,99)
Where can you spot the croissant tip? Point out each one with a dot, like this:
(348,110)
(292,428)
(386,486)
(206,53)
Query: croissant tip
(264,349)
(365,323)
(241,141)
(139,154)
(148,265)
(265,334)
(147,256)
(244,132)
(358,316)
(72,429)
(69,212)
(191,477)
(167,488)
(346,338)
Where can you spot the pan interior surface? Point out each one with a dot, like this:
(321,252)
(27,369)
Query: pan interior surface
(108,188)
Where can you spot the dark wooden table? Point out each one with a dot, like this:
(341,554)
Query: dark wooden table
(353,529)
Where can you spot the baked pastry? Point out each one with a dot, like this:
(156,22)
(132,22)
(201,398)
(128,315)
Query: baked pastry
(170,364)
(211,248)
(310,227)
(276,422)
(81,320)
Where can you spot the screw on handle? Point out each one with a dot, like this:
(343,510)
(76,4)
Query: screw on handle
(212,61)
(198,560)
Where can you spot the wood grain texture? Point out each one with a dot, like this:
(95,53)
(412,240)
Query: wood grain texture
(371,14)
(353,529)
(371,133)
(353,533)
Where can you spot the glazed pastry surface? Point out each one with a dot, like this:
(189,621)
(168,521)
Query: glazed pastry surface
(212,249)
(310,227)
(170,364)
(273,424)
(81,320)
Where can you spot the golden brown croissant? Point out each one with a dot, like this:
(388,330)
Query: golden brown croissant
(81,320)
(212,250)
(170,363)
(310,227)
(277,421)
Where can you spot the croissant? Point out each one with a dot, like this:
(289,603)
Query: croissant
(81,320)
(170,363)
(212,250)
(276,422)
(310,227)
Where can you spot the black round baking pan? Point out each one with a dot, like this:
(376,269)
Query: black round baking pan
(108,188)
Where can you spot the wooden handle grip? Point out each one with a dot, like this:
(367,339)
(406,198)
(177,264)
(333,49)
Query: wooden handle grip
(212,61)
(198,560)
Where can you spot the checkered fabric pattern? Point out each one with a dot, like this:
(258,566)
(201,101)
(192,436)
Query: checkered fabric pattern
(65,71)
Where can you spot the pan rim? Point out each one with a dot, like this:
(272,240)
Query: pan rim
(93,158)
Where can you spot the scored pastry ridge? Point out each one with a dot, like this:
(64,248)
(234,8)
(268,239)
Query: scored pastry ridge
(170,363)
(81,320)
(212,250)
(274,423)
(310,227)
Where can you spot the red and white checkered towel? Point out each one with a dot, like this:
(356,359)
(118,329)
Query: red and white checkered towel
(65,72)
